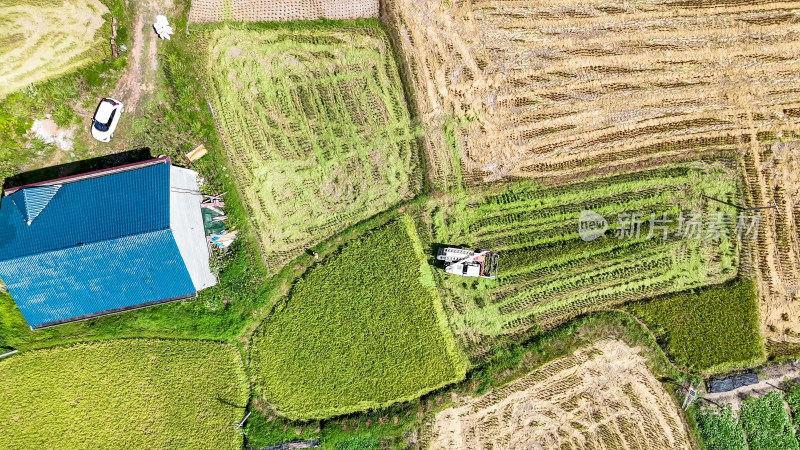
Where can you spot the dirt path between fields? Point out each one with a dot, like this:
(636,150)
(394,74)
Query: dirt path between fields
(138,78)
(775,377)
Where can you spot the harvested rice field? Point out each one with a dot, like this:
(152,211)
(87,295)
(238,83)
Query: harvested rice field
(42,39)
(316,125)
(280,10)
(602,396)
(773,174)
(548,274)
(562,89)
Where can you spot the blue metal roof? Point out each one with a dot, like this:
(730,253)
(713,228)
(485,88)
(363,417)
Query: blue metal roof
(101,276)
(81,212)
(97,245)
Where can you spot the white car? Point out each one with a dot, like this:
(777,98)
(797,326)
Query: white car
(106,118)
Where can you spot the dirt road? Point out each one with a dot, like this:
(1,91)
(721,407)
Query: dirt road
(774,377)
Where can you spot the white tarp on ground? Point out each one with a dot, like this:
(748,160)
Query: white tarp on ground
(186,222)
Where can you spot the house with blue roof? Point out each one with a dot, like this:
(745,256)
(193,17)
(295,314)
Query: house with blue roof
(103,242)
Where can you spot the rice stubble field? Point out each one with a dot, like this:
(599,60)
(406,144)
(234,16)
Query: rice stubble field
(42,39)
(602,396)
(280,10)
(316,126)
(566,88)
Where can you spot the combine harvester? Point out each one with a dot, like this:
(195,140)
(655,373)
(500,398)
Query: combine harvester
(458,261)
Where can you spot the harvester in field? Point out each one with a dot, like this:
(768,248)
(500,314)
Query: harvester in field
(468,263)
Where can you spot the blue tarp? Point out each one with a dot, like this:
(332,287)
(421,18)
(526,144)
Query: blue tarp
(91,246)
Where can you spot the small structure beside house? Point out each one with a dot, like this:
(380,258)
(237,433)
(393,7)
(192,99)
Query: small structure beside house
(103,242)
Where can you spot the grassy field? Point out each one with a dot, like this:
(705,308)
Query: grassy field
(67,34)
(601,396)
(124,394)
(363,329)
(548,274)
(709,330)
(315,122)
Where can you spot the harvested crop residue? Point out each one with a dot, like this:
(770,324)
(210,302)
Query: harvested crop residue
(569,88)
(280,10)
(773,175)
(602,396)
(39,40)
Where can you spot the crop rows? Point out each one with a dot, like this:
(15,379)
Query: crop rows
(280,10)
(363,329)
(771,172)
(764,423)
(548,274)
(567,88)
(132,393)
(66,37)
(316,125)
(602,396)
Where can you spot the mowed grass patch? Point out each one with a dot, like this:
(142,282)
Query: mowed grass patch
(135,393)
(713,329)
(315,122)
(42,39)
(363,329)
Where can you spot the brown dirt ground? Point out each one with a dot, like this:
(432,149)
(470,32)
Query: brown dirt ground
(135,86)
(772,378)
(602,396)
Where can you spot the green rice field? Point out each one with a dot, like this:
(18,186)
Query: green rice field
(361,330)
(136,393)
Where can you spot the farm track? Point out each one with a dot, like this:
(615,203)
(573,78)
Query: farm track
(568,88)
